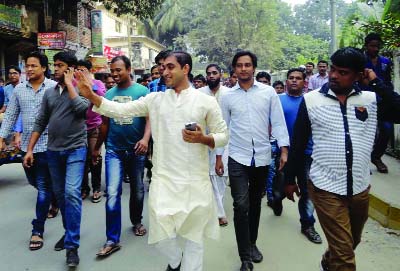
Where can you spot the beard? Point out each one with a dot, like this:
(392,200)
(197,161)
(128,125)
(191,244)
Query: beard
(213,84)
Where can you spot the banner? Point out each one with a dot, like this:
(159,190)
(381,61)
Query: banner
(54,40)
(10,18)
(99,65)
(97,36)
(111,52)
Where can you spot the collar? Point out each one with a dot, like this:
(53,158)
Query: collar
(326,91)
(255,84)
(28,84)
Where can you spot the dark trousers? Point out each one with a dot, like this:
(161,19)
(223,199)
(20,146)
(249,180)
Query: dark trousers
(39,177)
(384,133)
(95,169)
(247,187)
(342,219)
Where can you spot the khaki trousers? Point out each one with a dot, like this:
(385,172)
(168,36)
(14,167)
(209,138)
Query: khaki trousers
(342,219)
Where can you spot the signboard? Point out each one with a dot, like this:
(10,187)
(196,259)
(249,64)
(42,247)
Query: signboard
(10,18)
(111,52)
(99,65)
(97,36)
(54,40)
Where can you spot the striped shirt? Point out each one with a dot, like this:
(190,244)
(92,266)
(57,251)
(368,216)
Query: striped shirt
(316,81)
(27,101)
(343,136)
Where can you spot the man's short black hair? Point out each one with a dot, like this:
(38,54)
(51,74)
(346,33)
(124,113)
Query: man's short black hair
(85,63)
(125,59)
(296,70)
(349,57)
(107,75)
(162,55)
(310,63)
(372,36)
(244,53)
(66,57)
(154,67)
(263,75)
(215,66)
(231,73)
(182,58)
(278,82)
(43,60)
(14,68)
(146,76)
(323,61)
(200,77)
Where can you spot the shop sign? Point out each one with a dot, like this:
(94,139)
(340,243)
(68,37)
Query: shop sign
(53,40)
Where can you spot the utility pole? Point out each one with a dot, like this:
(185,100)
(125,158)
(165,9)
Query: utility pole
(333,46)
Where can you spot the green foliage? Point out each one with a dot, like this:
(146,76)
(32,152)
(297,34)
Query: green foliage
(141,9)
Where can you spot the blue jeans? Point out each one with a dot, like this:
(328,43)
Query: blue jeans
(39,177)
(116,164)
(66,170)
(275,154)
(247,187)
(306,207)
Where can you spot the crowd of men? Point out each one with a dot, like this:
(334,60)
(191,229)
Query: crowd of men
(312,136)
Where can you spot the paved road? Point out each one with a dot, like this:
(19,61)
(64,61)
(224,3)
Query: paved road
(280,240)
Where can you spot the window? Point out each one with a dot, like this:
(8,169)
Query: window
(118,26)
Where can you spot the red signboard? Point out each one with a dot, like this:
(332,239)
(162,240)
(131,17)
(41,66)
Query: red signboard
(54,40)
(111,52)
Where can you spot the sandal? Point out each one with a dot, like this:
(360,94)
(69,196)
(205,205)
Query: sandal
(53,212)
(139,230)
(96,197)
(108,249)
(36,244)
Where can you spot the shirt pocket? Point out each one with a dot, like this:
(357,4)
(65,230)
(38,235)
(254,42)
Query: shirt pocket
(361,113)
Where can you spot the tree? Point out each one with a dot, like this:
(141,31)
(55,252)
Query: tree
(141,9)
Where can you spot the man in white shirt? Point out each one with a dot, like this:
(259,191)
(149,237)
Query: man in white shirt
(249,109)
(218,157)
(319,79)
(181,199)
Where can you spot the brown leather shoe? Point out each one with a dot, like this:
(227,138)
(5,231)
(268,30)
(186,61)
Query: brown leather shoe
(380,166)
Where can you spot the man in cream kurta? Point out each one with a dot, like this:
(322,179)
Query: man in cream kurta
(218,157)
(181,197)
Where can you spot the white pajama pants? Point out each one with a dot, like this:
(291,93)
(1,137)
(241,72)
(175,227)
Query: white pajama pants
(219,186)
(191,256)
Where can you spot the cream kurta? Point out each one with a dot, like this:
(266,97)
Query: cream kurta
(181,197)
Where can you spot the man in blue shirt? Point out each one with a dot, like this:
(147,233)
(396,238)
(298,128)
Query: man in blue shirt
(159,84)
(382,67)
(249,109)
(290,103)
(126,141)
(26,101)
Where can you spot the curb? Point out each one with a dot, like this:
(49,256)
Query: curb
(386,214)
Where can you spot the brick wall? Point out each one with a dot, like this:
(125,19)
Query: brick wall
(72,34)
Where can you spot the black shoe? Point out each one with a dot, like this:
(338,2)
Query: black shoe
(256,255)
(60,244)
(312,235)
(324,266)
(270,204)
(246,266)
(380,166)
(277,207)
(72,257)
(169,268)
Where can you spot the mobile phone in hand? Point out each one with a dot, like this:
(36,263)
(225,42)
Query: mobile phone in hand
(191,126)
